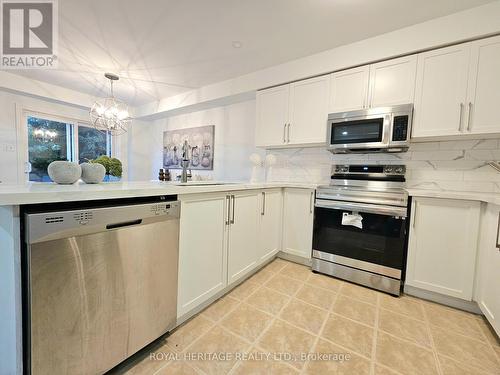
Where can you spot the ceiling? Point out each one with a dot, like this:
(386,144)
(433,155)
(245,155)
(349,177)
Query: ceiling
(164,47)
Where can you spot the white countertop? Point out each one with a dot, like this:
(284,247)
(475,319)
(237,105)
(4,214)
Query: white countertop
(37,192)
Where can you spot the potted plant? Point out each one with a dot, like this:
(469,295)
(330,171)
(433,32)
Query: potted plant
(113,167)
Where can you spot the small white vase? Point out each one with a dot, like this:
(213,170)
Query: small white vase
(64,172)
(92,173)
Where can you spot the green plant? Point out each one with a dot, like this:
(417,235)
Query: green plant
(113,165)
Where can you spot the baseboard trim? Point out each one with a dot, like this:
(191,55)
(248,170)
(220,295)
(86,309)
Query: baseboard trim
(457,303)
(294,258)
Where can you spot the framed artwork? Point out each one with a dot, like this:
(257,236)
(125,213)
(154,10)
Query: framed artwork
(201,147)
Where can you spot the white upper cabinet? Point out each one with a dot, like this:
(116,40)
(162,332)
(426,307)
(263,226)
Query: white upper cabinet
(349,89)
(272,116)
(441,90)
(443,246)
(484,87)
(308,111)
(392,82)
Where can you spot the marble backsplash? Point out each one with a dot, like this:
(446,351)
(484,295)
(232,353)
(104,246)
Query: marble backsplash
(448,165)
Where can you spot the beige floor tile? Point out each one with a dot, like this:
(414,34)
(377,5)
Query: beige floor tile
(282,337)
(451,367)
(220,308)
(264,366)
(354,365)
(323,281)
(150,362)
(304,315)
(349,334)
(268,300)
(404,327)
(242,291)
(464,349)
(354,309)
(246,321)
(284,284)
(177,368)
(188,332)
(453,320)
(359,292)
(403,356)
(217,340)
(296,271)
(488,331)
(262,276)
(316,296)
(276,265)
(382,370)
(404,305)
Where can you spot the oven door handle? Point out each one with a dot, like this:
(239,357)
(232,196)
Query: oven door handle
(362,207)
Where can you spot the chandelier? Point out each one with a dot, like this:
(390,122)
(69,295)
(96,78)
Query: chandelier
(110,114)
(44,135)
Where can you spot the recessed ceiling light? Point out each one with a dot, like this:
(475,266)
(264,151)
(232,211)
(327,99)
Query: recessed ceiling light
(236,44)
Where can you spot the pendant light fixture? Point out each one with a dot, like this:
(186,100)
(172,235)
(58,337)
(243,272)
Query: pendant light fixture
(110,114)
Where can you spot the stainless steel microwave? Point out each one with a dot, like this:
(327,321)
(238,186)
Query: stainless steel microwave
(383,129)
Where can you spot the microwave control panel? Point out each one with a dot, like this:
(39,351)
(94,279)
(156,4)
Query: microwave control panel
(400,128)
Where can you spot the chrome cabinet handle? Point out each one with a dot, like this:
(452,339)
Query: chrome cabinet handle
(469,119)
(228,200)
(284,133)
(288,133)
(311,202)
(232,214)
(263,212)
(460,128)
(498,232)
(414,216)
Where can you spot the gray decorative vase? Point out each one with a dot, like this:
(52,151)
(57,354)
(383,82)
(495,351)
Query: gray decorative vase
(92,173)
(64,172)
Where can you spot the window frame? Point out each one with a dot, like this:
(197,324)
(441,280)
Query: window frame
(72,149)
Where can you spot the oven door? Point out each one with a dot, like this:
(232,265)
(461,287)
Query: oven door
(366,132)
(379,246)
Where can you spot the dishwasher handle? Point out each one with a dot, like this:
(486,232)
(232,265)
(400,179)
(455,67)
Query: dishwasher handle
(124,224)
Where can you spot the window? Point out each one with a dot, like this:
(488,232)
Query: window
(50,140)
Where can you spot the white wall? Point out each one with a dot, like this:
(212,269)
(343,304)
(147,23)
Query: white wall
(234,142)
(13,146)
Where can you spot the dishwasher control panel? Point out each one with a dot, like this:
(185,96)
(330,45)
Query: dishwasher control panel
(160,208)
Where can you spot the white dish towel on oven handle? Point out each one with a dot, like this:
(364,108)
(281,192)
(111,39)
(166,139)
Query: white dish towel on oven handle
(354,219)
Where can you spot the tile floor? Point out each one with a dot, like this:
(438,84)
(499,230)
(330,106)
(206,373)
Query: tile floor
(287,309)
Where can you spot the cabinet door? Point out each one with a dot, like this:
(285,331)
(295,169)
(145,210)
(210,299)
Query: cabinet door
(272,116)
(270,224)
(243,234)
(443,246)
(349,89)
(202,251)
(440,92)
(488,273)
(298,222)
(308,111)
(484,87)
(392,82)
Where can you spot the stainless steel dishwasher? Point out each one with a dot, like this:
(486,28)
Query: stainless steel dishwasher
(101,284)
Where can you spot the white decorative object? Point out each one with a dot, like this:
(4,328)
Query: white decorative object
(270,161)
(256,161)
(110,114)
(92,173)
(64,172)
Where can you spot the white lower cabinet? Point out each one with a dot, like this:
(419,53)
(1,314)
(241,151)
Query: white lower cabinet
(443,246)
(243,234)
(202,250)
(271,203)
(298,214)
(488,271)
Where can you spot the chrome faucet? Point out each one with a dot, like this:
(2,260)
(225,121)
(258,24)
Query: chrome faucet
(185,162)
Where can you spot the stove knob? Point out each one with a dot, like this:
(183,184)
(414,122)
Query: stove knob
(337,169)
(400,170)
(388,170)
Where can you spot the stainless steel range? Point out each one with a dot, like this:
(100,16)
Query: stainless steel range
(360,226)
